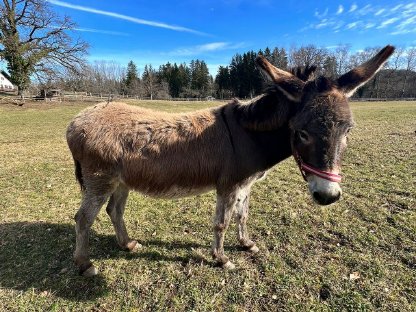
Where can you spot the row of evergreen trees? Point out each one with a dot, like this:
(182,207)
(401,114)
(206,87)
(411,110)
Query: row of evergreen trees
(241,78)
(171,80)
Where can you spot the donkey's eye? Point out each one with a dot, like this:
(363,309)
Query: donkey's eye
(303,135)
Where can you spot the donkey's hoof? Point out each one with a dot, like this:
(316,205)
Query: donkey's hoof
(254,249)
(228,266)
(133,246)
(91,271)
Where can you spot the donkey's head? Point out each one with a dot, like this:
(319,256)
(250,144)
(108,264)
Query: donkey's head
(322,121)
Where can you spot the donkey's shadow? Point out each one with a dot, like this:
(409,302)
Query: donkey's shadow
(39,256)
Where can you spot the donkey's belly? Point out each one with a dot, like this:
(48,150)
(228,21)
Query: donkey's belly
(170,176)
(173,191)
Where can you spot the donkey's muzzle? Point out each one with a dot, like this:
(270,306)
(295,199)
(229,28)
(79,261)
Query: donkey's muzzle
(324,192)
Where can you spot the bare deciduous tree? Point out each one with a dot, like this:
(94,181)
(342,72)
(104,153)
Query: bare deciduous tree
(342,55)
(392,67)
(409,66)
(308,55)
(35,41)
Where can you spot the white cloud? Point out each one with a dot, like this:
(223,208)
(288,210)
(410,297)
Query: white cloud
(321,15)
(369,25)
(353,8)
(99,31)
(208,47)
(391,19)
(379,12)
(397,7)
(388,22)
(352,25)
(398,19)
(322,24)
(406,26)
(125,17)
(365,10)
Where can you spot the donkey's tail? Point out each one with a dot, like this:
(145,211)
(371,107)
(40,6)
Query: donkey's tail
(78,174)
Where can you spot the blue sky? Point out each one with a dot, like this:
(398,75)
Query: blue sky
(178,31)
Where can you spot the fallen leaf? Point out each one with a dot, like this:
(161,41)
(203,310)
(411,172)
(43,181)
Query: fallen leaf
(44,293)
(64,270)
(354,276)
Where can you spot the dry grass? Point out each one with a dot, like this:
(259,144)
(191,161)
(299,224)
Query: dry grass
(358,254)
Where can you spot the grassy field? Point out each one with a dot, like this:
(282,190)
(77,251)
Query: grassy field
(356,255)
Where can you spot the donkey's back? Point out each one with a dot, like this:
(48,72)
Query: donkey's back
(160,154)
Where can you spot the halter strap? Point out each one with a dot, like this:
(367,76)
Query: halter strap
(305,168)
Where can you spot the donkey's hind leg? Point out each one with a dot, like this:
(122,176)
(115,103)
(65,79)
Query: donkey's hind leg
(242,204)
(115,210)
(90,206)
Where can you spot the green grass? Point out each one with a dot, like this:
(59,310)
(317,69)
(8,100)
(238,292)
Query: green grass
(309,253)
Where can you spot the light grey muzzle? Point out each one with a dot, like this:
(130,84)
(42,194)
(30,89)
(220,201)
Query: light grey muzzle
(324,192)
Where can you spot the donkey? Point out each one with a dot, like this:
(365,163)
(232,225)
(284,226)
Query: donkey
(117,148)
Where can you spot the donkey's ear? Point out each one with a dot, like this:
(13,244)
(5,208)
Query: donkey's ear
(289,84)
(355,78)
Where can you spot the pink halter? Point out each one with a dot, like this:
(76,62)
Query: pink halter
(305,168)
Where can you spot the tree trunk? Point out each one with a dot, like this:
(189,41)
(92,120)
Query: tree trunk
(404,84)
(20,92)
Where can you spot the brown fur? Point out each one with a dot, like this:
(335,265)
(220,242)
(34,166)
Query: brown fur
(117,147)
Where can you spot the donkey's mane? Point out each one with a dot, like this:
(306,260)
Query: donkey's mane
(271,109)
(304,73)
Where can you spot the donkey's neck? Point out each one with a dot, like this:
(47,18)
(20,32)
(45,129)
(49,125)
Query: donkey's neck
(261,132)
(267,112)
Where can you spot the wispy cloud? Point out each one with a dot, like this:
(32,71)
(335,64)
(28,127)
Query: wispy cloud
(369,25)
(321,15)
(352,25)
(99,31)
(396,19)
(406,26)
(396,7)
(93,30)
(379,12)
(125,17)
(353,8)
(365,10)
(388,22)
(204,48)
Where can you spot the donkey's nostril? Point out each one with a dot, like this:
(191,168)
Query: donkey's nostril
(318,198)
(323,200)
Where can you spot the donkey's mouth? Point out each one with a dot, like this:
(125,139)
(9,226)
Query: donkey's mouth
(323,192)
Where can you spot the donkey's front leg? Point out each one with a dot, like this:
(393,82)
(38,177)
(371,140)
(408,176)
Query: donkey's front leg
(225,206)
(242,204)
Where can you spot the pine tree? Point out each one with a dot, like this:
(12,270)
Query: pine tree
(132,78)
(200,78)
(279,58)
(223,81)
(149,79)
